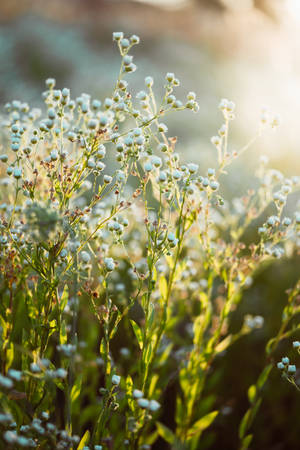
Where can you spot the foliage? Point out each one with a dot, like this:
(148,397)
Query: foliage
(119,277)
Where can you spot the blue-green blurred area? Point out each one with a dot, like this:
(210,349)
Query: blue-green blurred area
(247,51)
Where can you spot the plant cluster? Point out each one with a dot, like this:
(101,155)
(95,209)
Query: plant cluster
(121,267)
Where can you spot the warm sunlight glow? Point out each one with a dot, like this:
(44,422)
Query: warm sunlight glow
(293,7)
(173,4)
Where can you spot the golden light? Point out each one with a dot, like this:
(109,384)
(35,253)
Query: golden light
(293,7)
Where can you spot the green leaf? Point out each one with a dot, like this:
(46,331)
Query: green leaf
(138,333)
(129,390)
(252,393)
(163,286)
(224,344)
(203,423)
(84,440)
(64,298)
(75,391)
(264,376)
(248,418)
(63,333)
(165,433)
(9,356)
(246,441)
(244,424)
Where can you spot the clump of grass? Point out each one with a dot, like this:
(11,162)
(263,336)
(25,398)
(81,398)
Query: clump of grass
(109,245)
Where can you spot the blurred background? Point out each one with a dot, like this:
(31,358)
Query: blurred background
(244,50)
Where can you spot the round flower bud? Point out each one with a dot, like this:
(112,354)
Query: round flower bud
(50,83)
(84,108)
(100,165)
(285,360)
(101,152)
(109,264)
(103,121)
(170,77)
(15,146)
(107,179)
(127,60)
(291,368)
(154,405)
(65,92)
(56,94)
(149,82)
(51,113)
(156,161)
(280,366)
(128,141)
(193,168)
(162,147)
(143,403)
(177,174)
(85,257)
(162,177)
(91,163)
(33,140)
(137,393)
(171,237)
(162,128)
(191,96)
(296,344)
(54,155)
(124,43)
(214,185)
(130,68)
(148,167)
(17,173)
(92,124)
(61,373)
(118,35)
(3,158)
(108,103)
(96,104)
(216,140)
(286,221)
(174,243)
(35,368)
(115,379)
(135,39)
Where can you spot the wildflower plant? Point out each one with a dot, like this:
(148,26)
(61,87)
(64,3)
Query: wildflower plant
(110,244)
